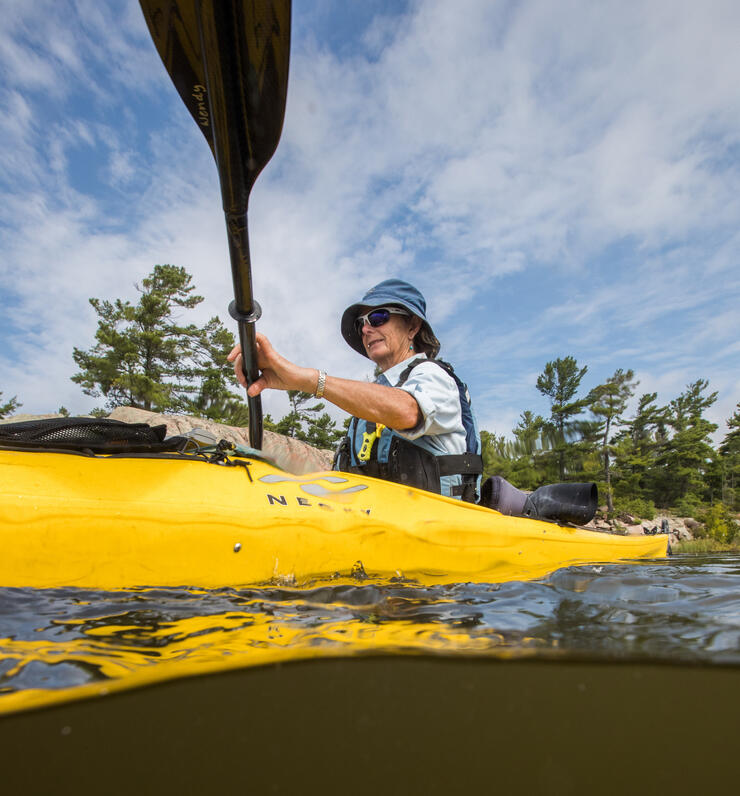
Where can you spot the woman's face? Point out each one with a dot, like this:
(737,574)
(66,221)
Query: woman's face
(387,345)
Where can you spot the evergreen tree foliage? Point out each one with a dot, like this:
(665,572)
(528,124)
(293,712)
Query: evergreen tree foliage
(636,449)
(608,402)
(559,382)
(532,441)
(302,422)
(662,456)
(224,407)
(291,425)
(729,456)
(497,454)
(215,399)
(146,358)
(322,432)
(528,432)
(686,457)
(731,443)
(9,407)
(523,460)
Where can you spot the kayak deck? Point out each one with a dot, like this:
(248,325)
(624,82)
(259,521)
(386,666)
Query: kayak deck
(115,522)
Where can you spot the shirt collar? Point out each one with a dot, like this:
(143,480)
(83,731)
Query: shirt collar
(392,374)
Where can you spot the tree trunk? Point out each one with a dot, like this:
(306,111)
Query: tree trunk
(607,472)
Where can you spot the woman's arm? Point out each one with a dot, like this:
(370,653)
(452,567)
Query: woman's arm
(374,402)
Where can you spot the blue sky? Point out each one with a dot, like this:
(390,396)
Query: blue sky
(558,179)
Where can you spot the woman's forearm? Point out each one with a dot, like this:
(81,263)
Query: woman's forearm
(387,405)
(375,402)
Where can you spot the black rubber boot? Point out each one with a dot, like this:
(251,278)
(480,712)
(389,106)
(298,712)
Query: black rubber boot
(574,503)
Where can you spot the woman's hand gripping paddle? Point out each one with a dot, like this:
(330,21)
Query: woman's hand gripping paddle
(229,62)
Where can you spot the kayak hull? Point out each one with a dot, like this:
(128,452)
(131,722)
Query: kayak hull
(118,522)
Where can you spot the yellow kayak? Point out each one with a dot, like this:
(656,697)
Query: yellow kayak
(122,521)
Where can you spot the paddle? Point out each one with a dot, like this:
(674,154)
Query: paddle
(229,60)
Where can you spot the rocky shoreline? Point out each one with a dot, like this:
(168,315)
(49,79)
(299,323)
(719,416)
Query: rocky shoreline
(680,529)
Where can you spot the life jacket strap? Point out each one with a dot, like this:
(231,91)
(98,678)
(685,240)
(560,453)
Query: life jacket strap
(460,464)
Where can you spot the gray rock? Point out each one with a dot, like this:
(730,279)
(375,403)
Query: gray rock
(22,418)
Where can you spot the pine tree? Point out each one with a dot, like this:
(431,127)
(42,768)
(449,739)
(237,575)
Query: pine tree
(531,444)
(323,432)
(729,452)
(9,407)
(221,407)
(688,453)
(559,382)
(291,425)
(143,357)
(215,399)
(528,431)
(637,447)
(496,452)
(302,422)
(731,443)
(608,402)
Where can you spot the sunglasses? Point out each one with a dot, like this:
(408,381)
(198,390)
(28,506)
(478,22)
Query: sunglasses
(378,317)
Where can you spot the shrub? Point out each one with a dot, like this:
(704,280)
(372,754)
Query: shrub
(719,523)
(637,507)
(688,506)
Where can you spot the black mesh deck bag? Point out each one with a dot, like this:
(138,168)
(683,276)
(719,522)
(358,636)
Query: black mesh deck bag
(98,435)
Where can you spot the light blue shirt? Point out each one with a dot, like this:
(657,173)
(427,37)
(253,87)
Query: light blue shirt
(441,429)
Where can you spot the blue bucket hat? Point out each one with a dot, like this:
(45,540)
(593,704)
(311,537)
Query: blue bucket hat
(397,293)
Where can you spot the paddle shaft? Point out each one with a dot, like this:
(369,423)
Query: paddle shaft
(245,310)
(226,56)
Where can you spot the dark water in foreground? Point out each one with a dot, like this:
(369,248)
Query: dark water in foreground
(683,608)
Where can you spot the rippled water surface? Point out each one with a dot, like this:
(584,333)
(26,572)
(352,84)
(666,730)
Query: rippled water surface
(680,609)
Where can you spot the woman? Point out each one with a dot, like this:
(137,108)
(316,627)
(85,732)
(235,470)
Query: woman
(414,425)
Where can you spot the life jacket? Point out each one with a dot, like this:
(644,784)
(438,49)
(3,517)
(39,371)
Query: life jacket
(375,450)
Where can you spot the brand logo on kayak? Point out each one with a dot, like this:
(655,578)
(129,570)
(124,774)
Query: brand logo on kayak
(199,95)
(310,486)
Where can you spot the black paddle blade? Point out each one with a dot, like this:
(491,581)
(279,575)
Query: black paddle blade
(246,49)
(229,62)
(173,25)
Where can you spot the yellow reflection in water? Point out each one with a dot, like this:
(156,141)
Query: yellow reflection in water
(129,656)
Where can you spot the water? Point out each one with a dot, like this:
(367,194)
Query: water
(684,608)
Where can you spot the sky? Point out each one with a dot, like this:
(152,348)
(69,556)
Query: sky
(558,179)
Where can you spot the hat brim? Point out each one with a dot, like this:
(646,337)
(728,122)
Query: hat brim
(349,316)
